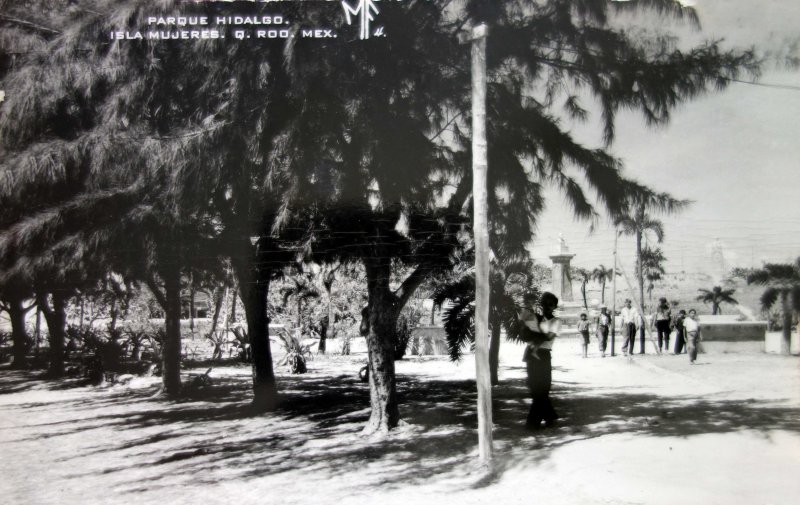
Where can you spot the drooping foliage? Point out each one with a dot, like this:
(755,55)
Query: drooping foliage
(333,148)
(511,286)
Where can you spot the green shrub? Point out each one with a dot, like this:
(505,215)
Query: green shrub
(296,352)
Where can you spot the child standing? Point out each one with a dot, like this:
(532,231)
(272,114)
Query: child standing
(583,329)
(530,331)
(692,328)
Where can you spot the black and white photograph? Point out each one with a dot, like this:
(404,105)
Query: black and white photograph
(336,252)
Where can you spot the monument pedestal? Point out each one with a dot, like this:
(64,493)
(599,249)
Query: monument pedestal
(569,310)
(570,314)
(562,280)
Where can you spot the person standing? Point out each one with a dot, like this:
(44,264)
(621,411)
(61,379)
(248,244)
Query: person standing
(602,323)
(538,363)
(629,320)
(692,328)
(661,322)
(680,335)
(583,329)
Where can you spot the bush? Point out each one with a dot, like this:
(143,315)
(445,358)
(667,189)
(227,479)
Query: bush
(296,352)
(242,342)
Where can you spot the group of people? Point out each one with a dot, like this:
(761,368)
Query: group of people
(539,327)
(665,322)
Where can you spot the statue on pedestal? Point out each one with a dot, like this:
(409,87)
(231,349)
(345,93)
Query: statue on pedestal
(562,281)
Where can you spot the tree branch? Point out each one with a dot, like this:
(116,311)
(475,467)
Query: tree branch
(29,25)
(152,285)
(41,301)
(412,282)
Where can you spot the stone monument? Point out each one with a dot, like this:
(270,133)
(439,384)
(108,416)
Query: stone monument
(562,280)
(569,310)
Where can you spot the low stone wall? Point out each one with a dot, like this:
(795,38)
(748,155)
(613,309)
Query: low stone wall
(428,341)
(736,331)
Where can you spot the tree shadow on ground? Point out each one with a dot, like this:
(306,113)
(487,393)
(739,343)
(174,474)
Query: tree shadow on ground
(216,436)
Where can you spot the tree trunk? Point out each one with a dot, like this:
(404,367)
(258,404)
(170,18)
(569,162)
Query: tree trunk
(330,331)
(323,335)
(603,293)
(114,314)
(382,319)
(494,353)
(171,352)
(786,345)
(191,303)
(221,294)
(56,318)
(232,312)
(639,272)
(37,331)
(299,312)
(83,304)
(136,352)
(19,334)
(254,286)
(583,294)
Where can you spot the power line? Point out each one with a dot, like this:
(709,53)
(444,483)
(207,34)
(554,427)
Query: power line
(788,87)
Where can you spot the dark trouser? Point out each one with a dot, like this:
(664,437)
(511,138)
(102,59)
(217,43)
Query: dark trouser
(662,327)
(692,341)
(540,375)
(641,340)
(630,338)
(678,341)
(602,338)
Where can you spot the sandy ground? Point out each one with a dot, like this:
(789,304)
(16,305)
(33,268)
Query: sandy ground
(652,430)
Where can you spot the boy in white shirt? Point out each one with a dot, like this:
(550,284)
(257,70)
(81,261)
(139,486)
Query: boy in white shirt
(692,328)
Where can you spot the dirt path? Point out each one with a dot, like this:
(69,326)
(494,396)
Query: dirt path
(653,430)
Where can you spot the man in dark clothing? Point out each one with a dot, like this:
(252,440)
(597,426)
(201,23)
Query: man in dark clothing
(603,322)
(680,337)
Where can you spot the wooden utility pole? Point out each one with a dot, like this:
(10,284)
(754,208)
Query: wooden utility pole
(480,229)
(614,294)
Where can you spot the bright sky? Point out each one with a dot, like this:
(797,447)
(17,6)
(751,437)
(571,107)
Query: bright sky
(736,154)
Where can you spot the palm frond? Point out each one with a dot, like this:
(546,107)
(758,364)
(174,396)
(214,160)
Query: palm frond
(769,297)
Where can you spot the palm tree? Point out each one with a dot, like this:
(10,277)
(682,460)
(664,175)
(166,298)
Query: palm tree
(652,266)
(584,276)
(508,286)
(327,324)
(602,274)
(716,296)
(639,223)
(302,288)
(782,281)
